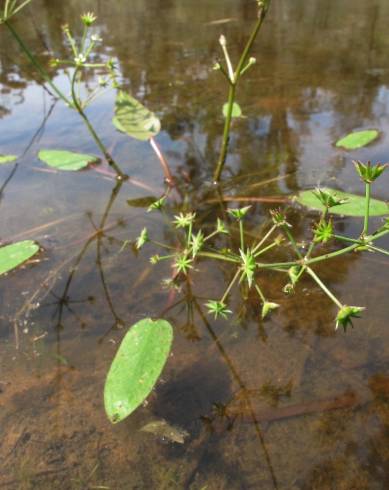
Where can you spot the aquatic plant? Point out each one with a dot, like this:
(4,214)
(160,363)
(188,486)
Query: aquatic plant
(131,116)
(233,76)
(247,259)
(145,347)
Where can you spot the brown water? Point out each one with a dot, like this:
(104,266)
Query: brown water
(323,70)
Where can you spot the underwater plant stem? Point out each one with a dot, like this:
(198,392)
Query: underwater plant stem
(365,230)
(164,164)
(36,64)
(229,287)
(324,287)
(226,133)
(100,144)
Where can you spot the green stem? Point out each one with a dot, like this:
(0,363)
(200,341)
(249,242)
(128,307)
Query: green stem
(365,230)
(241,232)
(314,260)
(377,235)
(260,293)
(368,238)
(324,287)
(261,17)
(36,64)
(163,245)
(216,256)
(264,6)
(264,239)
(292,241)
(266,249)
(189,234)
(226,133)
(100,144)
(347,239)
(230,285)
(377,249)
(68,102)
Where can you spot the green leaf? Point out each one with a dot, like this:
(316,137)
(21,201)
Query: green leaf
(236,110)
(66,160)
(358,139)
(355,205)
(7,158)
(13,255)
(136,367)
(134,119)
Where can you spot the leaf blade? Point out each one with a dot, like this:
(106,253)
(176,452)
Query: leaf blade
(236,110)
(134,119)
(136,367)
(7,159)
(66,160)
(354,207)
(357,139)
(15,254)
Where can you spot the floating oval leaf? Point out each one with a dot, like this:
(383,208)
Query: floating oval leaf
(355,205)
(136,367)
(66,160)
(13,255)
(236,110)
(358,139)
(7,158)
(134,119)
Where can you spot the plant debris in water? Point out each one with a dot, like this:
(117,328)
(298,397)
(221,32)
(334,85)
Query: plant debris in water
(162,428)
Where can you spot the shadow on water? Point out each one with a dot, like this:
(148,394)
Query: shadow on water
(284,404)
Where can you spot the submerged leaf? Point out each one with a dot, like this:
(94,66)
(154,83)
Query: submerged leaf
(355,205)
(136,367)
(358,139)
(162,428)
(134,119)
(141,202)
(13,255)
(236,110)
(7,158)
(66,160)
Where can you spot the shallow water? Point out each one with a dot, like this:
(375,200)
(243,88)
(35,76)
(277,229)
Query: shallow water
(323,70)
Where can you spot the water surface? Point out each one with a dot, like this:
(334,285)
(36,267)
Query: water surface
(322,70)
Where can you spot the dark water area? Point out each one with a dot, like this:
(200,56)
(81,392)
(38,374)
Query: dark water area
(286,403)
